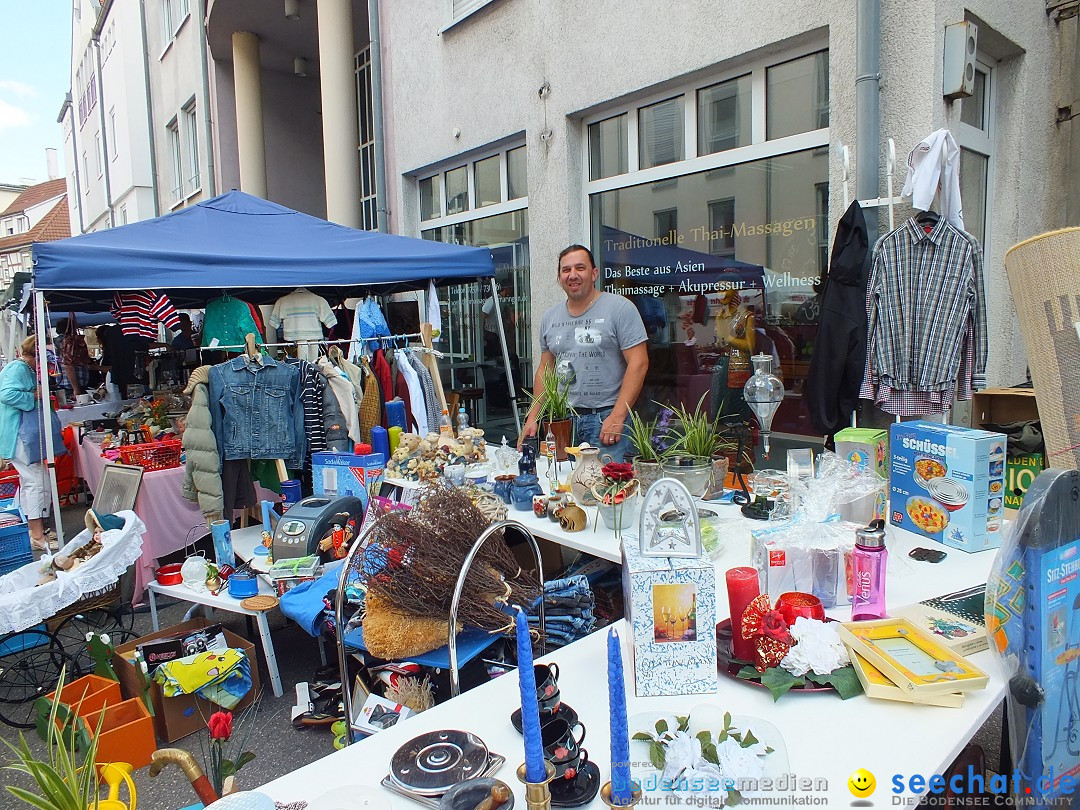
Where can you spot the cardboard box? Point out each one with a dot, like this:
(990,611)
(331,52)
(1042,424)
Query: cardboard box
(807,557)
(962,637)
(179,716)
(865,447)
(671,607)
(947,483)
(378,713)
(346,473)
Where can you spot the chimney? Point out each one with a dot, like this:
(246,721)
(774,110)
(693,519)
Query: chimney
(50,163)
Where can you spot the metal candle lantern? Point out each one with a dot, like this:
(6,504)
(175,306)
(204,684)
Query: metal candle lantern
(763,392)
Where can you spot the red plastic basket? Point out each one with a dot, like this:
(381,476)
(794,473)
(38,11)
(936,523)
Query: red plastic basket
(9,483)
(153,455)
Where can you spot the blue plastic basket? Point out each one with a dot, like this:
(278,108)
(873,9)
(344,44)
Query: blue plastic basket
(9,564)
(15,544)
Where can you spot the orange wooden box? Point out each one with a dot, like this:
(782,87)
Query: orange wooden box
(126,733)
(88,694)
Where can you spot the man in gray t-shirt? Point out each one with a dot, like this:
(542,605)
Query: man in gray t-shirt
(597,341)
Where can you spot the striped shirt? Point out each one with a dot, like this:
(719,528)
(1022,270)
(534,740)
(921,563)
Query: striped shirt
(302,314)
(312,385)
(926,309)
(139,313)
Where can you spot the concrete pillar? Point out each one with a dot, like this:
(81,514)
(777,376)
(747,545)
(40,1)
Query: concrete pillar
(337,82)
(250,142)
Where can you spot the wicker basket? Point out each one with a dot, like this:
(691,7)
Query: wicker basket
(153,455)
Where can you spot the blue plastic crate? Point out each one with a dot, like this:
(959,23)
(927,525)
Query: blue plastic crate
(14,542)
(9,564)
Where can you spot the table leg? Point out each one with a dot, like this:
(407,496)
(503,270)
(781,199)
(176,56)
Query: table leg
(268,651)
(153,609)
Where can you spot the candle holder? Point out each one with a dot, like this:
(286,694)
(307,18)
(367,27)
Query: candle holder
(537,794)
(635,790)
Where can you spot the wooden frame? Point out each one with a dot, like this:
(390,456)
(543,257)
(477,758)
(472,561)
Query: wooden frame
(876,685)
(912,659)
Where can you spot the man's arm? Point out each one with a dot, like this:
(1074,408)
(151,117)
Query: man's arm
(529,429)
(637,364)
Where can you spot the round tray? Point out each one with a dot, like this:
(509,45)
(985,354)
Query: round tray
(727,664)
(432,763)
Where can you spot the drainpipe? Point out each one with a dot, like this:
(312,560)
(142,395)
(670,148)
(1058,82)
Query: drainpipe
(868,108)
(381,211)
(104,135)
(205,100)
(70,110)
(149,109)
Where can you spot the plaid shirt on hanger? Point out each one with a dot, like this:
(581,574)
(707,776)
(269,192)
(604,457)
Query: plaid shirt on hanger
(926,311)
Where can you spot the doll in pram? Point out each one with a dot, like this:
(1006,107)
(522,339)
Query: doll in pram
(46,613)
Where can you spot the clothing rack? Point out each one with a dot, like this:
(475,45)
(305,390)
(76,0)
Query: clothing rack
(344,341)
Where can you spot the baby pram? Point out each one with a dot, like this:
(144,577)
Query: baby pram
(43,627)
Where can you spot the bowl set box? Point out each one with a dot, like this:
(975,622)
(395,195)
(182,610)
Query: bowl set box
(346,473)
(671,607)
(947,483)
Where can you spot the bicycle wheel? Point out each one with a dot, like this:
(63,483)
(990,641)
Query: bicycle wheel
(29,669)
(71,633)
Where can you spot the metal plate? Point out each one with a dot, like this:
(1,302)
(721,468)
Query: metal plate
(434,762)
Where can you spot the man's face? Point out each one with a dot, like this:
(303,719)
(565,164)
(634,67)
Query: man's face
(577,275)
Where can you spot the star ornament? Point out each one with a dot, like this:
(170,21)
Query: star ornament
(766,627)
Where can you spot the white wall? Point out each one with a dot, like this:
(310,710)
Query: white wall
(481,77)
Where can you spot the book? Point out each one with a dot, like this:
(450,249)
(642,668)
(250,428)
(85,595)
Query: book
(957,620)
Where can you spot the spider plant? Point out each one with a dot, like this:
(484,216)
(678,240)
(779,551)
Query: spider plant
(644,434)
(63,782)
(694,433)
(554,397)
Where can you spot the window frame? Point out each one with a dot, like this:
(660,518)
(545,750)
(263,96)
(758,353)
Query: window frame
(176,152)
(757,149)
(981,141)
(112,133)
(452,20)
(190,144)
(468,162)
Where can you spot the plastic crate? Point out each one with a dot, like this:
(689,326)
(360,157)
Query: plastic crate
(15,542)
(11,563)
(9,483)
(153,455)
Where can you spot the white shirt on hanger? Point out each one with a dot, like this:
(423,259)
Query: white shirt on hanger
(933,168)
(417,403)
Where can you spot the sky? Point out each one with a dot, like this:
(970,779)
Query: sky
(34,77)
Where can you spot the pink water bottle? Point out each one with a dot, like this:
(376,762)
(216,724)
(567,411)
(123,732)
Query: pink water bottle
(868,563)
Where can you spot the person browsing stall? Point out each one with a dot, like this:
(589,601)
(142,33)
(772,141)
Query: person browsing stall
(597,341)
(22,441)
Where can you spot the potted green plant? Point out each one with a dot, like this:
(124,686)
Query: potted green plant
(695,438)
(647,440)
(63,782)
(555,411)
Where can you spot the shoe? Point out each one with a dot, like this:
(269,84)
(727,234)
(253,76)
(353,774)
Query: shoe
(41,544)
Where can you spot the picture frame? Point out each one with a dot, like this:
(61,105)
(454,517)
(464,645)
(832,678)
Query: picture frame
(668,523)
(876,685)
(911,658)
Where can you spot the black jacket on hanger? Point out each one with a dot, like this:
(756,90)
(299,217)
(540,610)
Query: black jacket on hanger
(836,368)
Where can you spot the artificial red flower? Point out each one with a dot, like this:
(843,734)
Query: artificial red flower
(767,628)
(220,725)
(617,472)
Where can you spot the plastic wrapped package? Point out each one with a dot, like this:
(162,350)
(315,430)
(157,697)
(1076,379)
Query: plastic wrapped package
(808,557)
(1033,618)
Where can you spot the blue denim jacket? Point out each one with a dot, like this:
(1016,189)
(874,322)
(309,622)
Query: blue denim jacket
(256,412)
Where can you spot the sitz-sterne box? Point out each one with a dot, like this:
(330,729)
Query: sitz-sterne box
(347,474)
(947,483)
(671,607)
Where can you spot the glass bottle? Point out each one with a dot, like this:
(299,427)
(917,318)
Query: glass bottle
(869,561)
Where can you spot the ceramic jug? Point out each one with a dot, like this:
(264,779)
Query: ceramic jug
(522,490)
(572,518)
(587,474)
(527,462)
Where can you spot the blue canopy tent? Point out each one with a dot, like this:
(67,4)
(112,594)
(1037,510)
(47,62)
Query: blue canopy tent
(250,247)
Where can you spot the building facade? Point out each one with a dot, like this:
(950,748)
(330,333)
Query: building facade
(38,214)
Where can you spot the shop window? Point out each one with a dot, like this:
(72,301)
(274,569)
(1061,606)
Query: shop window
(974,136)
(797,96)
(723,116)
(517,174)
(607,148)
(457,190)
(660,133)
(757,235)
(974,170)
(973,109)
(666,225)
(487,180)
(430,198)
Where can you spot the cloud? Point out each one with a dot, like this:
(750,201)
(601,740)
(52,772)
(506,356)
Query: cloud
(17,87)
(12,117)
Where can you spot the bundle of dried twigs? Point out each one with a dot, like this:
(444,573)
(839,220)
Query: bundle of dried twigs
(415,557)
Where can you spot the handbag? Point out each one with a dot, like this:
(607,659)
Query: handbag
(73,349)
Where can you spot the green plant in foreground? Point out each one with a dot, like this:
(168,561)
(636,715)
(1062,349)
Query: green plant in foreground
(554,397)
(643,434)
(63,783)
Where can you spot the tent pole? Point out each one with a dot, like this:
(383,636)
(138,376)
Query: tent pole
(506,355)
(46,408)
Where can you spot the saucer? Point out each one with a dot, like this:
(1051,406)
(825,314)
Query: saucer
(565,712)
(578,791)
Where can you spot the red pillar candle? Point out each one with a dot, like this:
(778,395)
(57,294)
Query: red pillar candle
(742,589)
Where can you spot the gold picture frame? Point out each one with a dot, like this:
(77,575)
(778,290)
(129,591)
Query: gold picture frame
(912,659)
(876,685)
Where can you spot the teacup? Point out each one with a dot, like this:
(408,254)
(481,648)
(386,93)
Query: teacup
(568,769)
(559,741)
(549,706)
(547,679)
(455,474)
(84,399)
(539,505)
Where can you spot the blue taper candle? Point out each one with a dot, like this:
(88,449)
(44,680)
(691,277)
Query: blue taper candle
(621,787)
(535,769)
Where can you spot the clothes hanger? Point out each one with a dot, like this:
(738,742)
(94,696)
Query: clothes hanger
(251,350)
(928,220)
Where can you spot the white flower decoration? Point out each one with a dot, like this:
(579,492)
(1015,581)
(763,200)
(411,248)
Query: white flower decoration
(681,752)
(738,763)
(818,648)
